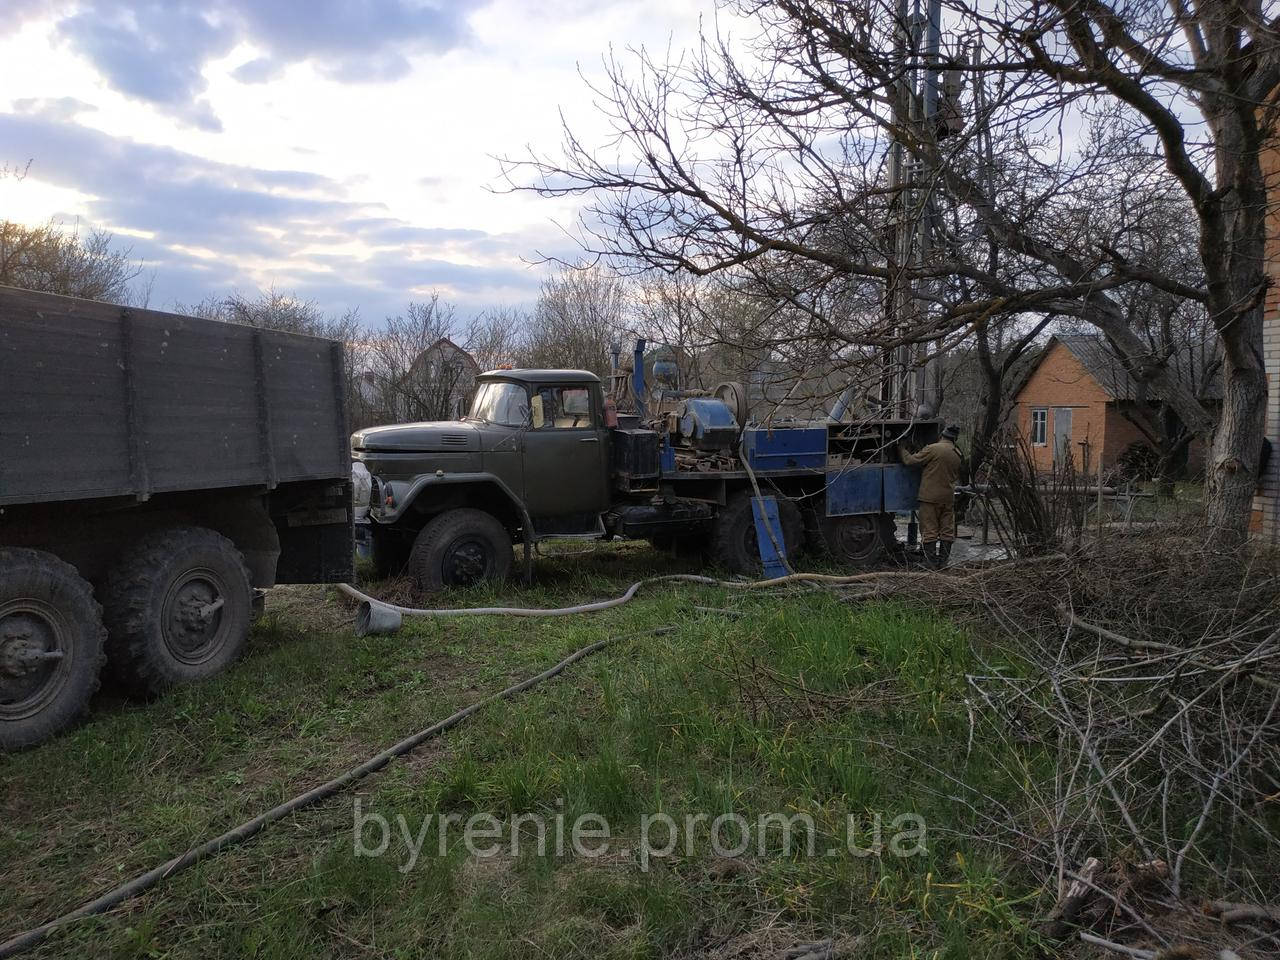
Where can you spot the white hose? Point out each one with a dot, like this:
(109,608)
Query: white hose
(630,592)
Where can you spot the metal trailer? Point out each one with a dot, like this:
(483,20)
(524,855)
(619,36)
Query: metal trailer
(839,485)
(156,471)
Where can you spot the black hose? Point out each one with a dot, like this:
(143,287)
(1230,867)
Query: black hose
(143,882)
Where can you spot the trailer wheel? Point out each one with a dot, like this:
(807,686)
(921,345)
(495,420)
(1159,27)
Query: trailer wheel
(733,543)
(178,607)
(858,540)
(51,640)
(459,548)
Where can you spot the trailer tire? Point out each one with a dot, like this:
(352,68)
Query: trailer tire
(160,632)
(44,602)
(459,548)
(733,544)
(859,540)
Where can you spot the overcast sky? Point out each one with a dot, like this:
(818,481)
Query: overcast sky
(339,150)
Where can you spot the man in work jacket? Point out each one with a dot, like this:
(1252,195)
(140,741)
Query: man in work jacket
(942,462)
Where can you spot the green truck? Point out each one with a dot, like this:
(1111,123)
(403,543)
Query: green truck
(157,472)
(545,454)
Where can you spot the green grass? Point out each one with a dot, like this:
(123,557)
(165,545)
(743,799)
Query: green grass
(801,704)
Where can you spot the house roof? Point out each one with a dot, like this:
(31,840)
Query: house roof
(445,344)
(1196,364)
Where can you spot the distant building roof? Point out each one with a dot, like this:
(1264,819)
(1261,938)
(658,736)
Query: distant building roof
(1196,364)
(445,345)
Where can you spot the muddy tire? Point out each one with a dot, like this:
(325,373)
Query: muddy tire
(460,548)
(733,544)
(51,646)
(178,606)
(858,541)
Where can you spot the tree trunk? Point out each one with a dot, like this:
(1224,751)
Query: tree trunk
(1234,254)
(990,404)
(1231,475)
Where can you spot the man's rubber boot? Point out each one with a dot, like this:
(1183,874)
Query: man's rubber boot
(944,552)
(930,551)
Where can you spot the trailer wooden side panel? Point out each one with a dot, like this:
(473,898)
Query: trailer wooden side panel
(98,400)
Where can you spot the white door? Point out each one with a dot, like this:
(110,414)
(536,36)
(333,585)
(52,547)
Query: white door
(1061,434)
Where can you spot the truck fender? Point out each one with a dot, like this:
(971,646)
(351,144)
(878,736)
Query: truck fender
(403,495)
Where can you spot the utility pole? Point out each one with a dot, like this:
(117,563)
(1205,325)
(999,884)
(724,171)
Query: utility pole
(910,378)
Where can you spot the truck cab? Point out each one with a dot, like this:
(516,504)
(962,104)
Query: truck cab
(529,461)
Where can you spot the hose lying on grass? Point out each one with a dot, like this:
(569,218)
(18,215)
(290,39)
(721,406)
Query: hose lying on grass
(378,616)
(143,882)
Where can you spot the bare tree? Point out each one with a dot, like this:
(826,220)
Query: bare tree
(773,165)
(54,258)
(579,313)
(493,336)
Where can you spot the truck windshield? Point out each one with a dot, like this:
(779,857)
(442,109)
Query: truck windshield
(501,402)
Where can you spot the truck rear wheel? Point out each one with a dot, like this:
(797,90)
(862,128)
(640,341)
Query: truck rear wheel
(734,541)
(859,540)
(51,640)
(178,608)
(459,548)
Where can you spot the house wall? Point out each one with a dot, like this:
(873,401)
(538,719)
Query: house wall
(1061,381)
(1266,512)
(1121,433)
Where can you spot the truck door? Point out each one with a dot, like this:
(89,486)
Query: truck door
(565,482)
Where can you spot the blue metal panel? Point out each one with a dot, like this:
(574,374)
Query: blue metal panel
(765,511)
(901,488)
(708,423)
(786,447)
(855,490)
(637,380)
(667,457)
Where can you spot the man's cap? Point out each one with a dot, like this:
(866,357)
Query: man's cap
(952,432)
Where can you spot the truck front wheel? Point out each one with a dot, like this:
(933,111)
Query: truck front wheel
(459,548)
(51,640)
(178,607)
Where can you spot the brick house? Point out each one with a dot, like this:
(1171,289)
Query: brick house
(1078,396)
(1266,504)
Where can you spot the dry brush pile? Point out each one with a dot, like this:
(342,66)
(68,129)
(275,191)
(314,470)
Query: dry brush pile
(1151,670)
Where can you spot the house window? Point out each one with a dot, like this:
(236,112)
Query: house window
(1039,427)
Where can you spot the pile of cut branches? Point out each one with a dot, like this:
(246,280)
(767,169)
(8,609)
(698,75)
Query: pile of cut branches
(1151,670)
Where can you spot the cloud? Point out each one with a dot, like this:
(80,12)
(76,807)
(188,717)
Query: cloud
(153,52)
(156,50)
(389,231)
(61,109)
(213,227)
(258,70)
